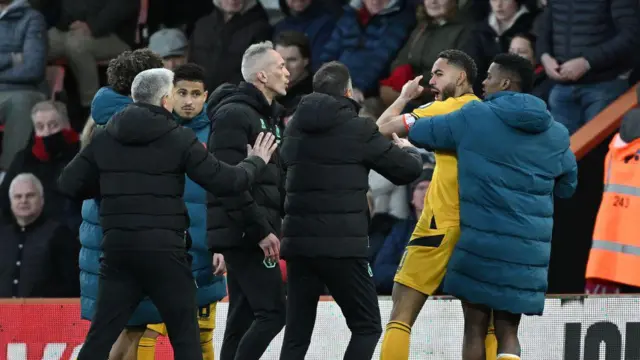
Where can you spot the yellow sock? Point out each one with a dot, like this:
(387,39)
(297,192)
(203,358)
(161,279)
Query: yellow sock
(147,348)
(395,345)
(508,357)
(491,344)
(206,344)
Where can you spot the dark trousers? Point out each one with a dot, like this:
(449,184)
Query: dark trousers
(349,282)
(256,305)
(125,278)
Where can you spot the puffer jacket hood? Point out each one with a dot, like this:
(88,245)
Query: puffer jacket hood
(107,103)
(521,111)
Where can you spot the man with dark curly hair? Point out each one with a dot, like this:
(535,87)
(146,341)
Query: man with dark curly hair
(107,102)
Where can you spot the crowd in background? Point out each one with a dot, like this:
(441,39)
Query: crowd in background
(584,53)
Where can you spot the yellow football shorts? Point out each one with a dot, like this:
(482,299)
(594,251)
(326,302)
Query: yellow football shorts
(206,320)
(425,259)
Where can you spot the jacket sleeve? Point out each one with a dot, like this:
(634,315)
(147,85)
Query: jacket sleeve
(80,179)
(544,43)
(626,21)
(400,166)
(321,38)
(217,177)
(228,142)
(34,51)
(441,132)
(111,16)
(65,251)
(567,183)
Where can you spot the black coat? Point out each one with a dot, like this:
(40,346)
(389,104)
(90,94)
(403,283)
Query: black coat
(605,32)
(218,45)
(42,257)
(328,151)
(238,114)
(137,166)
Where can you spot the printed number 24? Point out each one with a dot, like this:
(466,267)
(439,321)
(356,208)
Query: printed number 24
(621,201)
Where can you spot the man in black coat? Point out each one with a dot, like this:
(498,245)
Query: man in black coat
(136,165)
(328,151)
(240,226)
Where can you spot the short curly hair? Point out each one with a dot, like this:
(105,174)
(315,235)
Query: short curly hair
(123,69)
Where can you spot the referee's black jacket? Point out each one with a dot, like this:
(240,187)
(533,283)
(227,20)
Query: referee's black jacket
(238,114)
(137,166)
(328,151)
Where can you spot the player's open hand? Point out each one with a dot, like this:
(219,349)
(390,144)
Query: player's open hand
(412,89)
(219,266)
(401,143)
(264,147)
(271,247)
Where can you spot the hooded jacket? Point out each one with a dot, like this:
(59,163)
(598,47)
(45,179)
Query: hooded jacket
(238,114)
(512,159)
(328,151)
(136,164)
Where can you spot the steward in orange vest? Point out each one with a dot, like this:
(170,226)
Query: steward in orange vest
(615,253)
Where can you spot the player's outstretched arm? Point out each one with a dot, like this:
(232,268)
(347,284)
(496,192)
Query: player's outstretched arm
(391,121)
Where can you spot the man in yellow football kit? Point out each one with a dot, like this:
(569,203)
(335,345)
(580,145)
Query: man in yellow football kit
(424,263)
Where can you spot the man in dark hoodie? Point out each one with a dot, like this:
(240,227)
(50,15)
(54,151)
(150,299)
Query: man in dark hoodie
(329,151)
(240,226)
(137,166)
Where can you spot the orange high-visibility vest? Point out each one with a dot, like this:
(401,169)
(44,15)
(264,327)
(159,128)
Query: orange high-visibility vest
(615,253)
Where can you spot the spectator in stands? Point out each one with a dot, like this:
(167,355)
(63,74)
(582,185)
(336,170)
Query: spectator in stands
(524,44)
(311,18)
(439,28)
(220,38)
(107,102)
(53,146)
(293,46)
(388,258)
(493,36)
(613,266)
(171,45)
(367,38)
(588,48)
(89,31)
(38,256)
(23,54)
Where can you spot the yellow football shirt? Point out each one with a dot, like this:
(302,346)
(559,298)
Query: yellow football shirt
(442,199)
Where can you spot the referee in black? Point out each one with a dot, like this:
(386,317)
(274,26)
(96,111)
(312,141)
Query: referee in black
(328,151)
(137,166)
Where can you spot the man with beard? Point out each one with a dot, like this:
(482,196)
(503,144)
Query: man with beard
(245,228)
(424,263)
